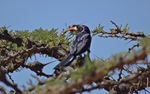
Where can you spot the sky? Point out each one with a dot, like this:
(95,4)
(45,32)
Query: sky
(48,14)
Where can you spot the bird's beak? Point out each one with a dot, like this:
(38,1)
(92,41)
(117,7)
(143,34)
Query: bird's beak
(72,29)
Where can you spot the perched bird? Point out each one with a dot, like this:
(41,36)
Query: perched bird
(80,44)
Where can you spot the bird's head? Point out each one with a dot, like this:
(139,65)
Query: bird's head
(73,28)
(79,28)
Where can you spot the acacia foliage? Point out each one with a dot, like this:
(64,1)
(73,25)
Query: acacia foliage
(17,46)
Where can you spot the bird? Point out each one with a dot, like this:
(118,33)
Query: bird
(80,44)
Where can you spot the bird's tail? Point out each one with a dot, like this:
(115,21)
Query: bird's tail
(65,62)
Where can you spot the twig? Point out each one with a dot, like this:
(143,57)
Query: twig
(136,45)
(115,25)
(10,78)
(120,75)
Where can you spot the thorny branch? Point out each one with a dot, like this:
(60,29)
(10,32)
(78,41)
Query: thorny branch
(5,81)
(19,58)
(37,67)
(4,35)
(120,33)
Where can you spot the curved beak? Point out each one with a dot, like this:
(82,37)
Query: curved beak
(72,29)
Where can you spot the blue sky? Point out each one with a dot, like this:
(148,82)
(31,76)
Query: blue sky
(33,14)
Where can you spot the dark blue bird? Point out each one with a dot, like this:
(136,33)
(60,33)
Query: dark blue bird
(80,44)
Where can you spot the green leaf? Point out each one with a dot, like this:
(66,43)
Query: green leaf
(98,30)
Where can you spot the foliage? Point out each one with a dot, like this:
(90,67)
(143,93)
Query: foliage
(17,46)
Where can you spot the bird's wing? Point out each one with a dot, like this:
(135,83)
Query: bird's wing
(82,41)
(72,44)
(79,42)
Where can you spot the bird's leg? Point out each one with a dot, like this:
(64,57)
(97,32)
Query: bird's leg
(89,51)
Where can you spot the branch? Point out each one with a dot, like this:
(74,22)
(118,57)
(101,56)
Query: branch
(118,33)
(37,67)
(6,82)
(19,58)
(4,35)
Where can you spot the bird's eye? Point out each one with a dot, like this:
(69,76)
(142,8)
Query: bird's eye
(80,28)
